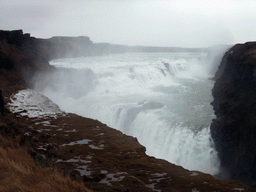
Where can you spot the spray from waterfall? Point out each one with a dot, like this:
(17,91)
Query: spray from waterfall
(163,99)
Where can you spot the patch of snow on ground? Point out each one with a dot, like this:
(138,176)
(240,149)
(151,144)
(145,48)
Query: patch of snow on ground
(104,171)
(76,161)
(194,174)
(80,142)
(30,103)
(95,147)
(43,122)
(159,174)
(74,130)
(41,130)
(157,177)
(238,189)
(152,186)
(113,177)
(84,170)
(89,157)
(42,148)
(27,133)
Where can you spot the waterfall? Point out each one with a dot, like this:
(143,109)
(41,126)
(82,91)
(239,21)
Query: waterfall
(163,99)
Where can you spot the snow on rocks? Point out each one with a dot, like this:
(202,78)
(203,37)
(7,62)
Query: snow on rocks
(194,174)
(30,103)
(119,176)
(84,170)
(238,189)
(80,142)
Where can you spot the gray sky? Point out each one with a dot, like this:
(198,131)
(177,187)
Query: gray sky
(183,23)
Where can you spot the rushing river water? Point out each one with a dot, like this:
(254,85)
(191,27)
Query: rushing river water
(163,99)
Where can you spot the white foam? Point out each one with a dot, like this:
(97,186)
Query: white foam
(163,99)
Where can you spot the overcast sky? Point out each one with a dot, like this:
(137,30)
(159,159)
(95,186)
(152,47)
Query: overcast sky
(183,23)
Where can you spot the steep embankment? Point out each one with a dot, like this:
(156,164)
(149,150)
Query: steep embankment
(234,129)
(84,149)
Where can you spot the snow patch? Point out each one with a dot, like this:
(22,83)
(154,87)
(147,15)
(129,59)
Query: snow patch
(80,142)
(194,174)
(238,189)
(113,177)
(77,161)
(27,133)
(152,186)
(74,130)
(84,170)
(89,157)
(157,177)
(95,147)
(104,171)
(30,103)
(43,122)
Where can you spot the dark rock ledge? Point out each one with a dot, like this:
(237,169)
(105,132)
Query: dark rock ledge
(234,129)
(85,149)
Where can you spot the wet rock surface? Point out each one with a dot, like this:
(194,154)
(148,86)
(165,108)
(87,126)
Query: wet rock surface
(234,129)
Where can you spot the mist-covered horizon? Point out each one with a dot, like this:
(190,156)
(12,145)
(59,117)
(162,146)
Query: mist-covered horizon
(164,23)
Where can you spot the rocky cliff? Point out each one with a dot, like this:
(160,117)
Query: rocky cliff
(234,129)
(86,150)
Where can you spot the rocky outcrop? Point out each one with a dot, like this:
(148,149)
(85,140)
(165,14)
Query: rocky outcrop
(234,129)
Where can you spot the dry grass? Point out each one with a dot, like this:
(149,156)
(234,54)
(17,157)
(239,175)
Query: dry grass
(19,172)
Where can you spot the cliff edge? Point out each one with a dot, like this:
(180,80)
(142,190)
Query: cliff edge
(234,129)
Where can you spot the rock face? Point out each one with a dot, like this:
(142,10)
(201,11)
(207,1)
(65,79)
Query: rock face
(21,55)
(234,129)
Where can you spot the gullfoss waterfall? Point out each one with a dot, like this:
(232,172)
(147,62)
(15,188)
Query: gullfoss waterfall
(163,99)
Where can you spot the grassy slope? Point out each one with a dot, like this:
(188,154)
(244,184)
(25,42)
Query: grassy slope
(19,172)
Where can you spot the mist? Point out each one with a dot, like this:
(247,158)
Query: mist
(182,23)
(161,98)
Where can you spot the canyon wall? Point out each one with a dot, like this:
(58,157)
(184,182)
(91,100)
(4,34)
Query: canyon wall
(234,104)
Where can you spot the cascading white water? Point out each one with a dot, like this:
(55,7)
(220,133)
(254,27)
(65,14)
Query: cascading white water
(163,99)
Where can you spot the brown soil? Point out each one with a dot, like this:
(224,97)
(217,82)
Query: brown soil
(110,160)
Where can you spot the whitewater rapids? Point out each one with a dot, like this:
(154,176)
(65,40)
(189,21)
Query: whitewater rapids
(163,99)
